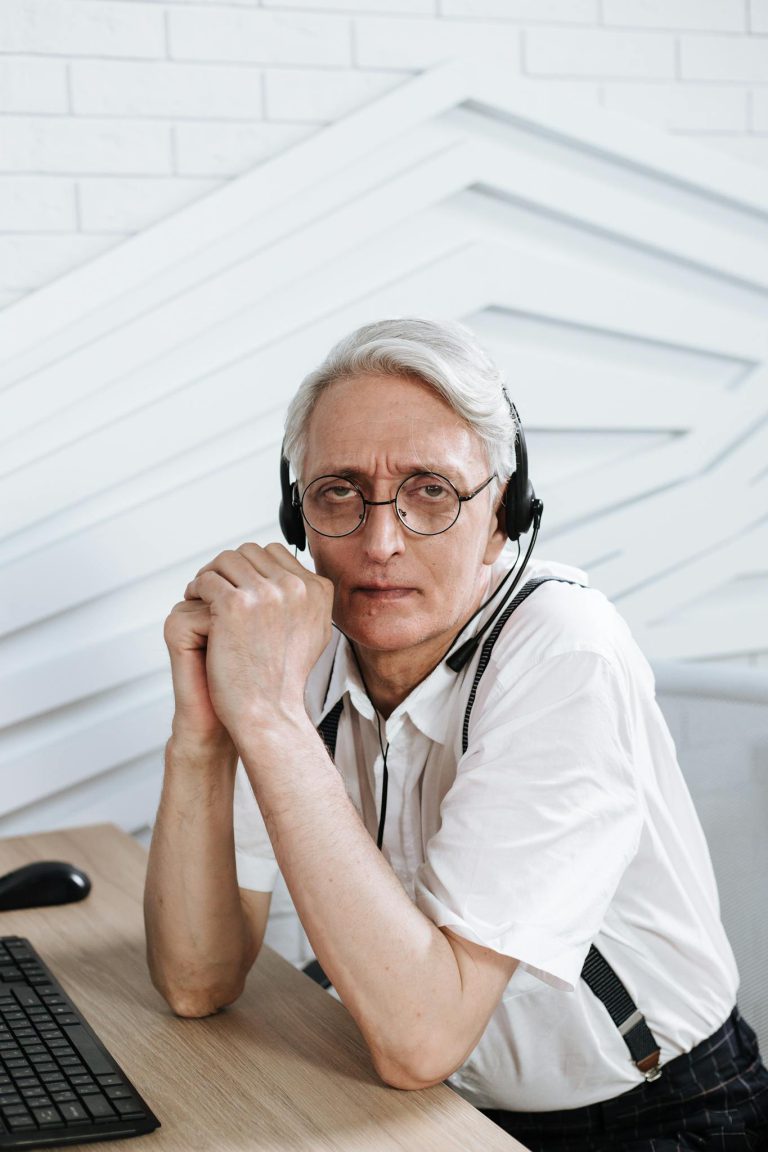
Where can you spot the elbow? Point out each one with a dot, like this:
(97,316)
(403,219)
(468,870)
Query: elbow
(191,999)
(194,1003)
(190,1005)
(413,1068)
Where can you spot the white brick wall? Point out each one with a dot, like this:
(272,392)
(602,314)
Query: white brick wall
(322,95)
(77,145)
(114,113)
(385,42)
(237,34)
(82,28)
(724,58)
(33,85)
(703,15)
(28,204)
(536,11)
(181,91)
(599,52)
(228,149)
(695,108)
(129,204)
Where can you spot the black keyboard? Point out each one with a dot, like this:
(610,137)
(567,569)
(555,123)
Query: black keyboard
(58,1083)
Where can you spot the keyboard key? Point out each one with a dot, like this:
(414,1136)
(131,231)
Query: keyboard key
(129,1107)
(16,1123)
(44,1070)
(46,1117)
(98,1106)
(63,1096)
(19,950)
(25,996)
(74,1114)
(89,1050)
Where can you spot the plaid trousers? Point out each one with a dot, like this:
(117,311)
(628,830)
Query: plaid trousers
(712,1099)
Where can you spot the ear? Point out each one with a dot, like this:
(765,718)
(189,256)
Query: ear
(497,537)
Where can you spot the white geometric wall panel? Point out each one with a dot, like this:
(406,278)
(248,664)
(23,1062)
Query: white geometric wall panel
(619,276)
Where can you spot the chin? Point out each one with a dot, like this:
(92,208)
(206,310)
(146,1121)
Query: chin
(382,635)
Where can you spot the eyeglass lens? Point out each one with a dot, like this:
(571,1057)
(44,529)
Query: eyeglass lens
(426,503)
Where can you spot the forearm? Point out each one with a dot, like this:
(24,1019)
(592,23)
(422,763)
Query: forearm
(394,970)
(199,946)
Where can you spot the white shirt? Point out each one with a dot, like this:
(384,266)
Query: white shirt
(567,822)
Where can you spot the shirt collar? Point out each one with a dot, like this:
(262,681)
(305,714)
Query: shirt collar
(336,675)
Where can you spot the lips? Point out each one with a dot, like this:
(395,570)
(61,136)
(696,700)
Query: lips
(384,591)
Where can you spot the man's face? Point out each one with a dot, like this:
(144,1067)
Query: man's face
(395,590)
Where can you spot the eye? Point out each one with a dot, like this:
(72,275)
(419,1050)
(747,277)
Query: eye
(337,493)
(428,489)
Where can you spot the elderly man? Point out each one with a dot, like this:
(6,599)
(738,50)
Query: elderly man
(489,845)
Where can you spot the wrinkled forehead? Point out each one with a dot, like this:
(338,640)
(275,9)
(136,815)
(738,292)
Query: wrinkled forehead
(392,425)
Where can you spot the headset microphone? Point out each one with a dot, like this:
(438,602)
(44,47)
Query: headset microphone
(464,653)
(522,510)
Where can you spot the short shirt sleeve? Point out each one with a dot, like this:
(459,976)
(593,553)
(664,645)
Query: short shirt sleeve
(254,859)
(543,816)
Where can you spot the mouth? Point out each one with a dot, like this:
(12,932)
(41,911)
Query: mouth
(384,591)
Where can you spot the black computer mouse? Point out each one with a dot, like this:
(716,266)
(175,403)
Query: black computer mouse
(42,883)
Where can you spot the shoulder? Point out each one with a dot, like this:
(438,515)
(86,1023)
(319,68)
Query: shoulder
(566,622)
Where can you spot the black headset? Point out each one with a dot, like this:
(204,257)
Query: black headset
(520,503)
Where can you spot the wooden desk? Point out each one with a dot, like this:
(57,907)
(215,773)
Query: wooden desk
(283,1069)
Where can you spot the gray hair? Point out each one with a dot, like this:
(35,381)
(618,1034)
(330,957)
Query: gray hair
(445,356)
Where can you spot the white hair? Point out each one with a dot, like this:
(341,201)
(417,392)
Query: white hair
(445,356)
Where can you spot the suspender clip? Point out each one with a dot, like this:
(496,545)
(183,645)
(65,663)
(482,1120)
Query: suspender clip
(650,1066)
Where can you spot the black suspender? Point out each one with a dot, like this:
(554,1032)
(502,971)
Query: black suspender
(596,971)
(329,728)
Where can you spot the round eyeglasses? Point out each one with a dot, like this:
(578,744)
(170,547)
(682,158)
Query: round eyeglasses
(426,503)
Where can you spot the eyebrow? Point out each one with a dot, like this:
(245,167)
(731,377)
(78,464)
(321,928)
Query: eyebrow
(353,472)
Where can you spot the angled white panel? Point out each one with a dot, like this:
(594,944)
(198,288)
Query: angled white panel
(618,276)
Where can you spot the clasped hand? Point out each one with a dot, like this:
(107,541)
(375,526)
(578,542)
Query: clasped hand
(243,641)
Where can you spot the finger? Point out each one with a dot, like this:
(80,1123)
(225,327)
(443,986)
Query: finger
(208,586)
(232,566)
(187,619)
(272,560)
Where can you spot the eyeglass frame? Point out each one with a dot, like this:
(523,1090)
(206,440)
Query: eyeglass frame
(299,502)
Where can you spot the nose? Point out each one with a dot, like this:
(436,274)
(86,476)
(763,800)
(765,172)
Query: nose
(383,532)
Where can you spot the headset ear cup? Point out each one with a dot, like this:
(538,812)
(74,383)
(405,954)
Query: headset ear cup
(519,506)
(519,497)
(289,514)
(509,509)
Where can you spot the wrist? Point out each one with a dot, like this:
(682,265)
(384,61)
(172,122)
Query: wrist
(194,753)
(275,739)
